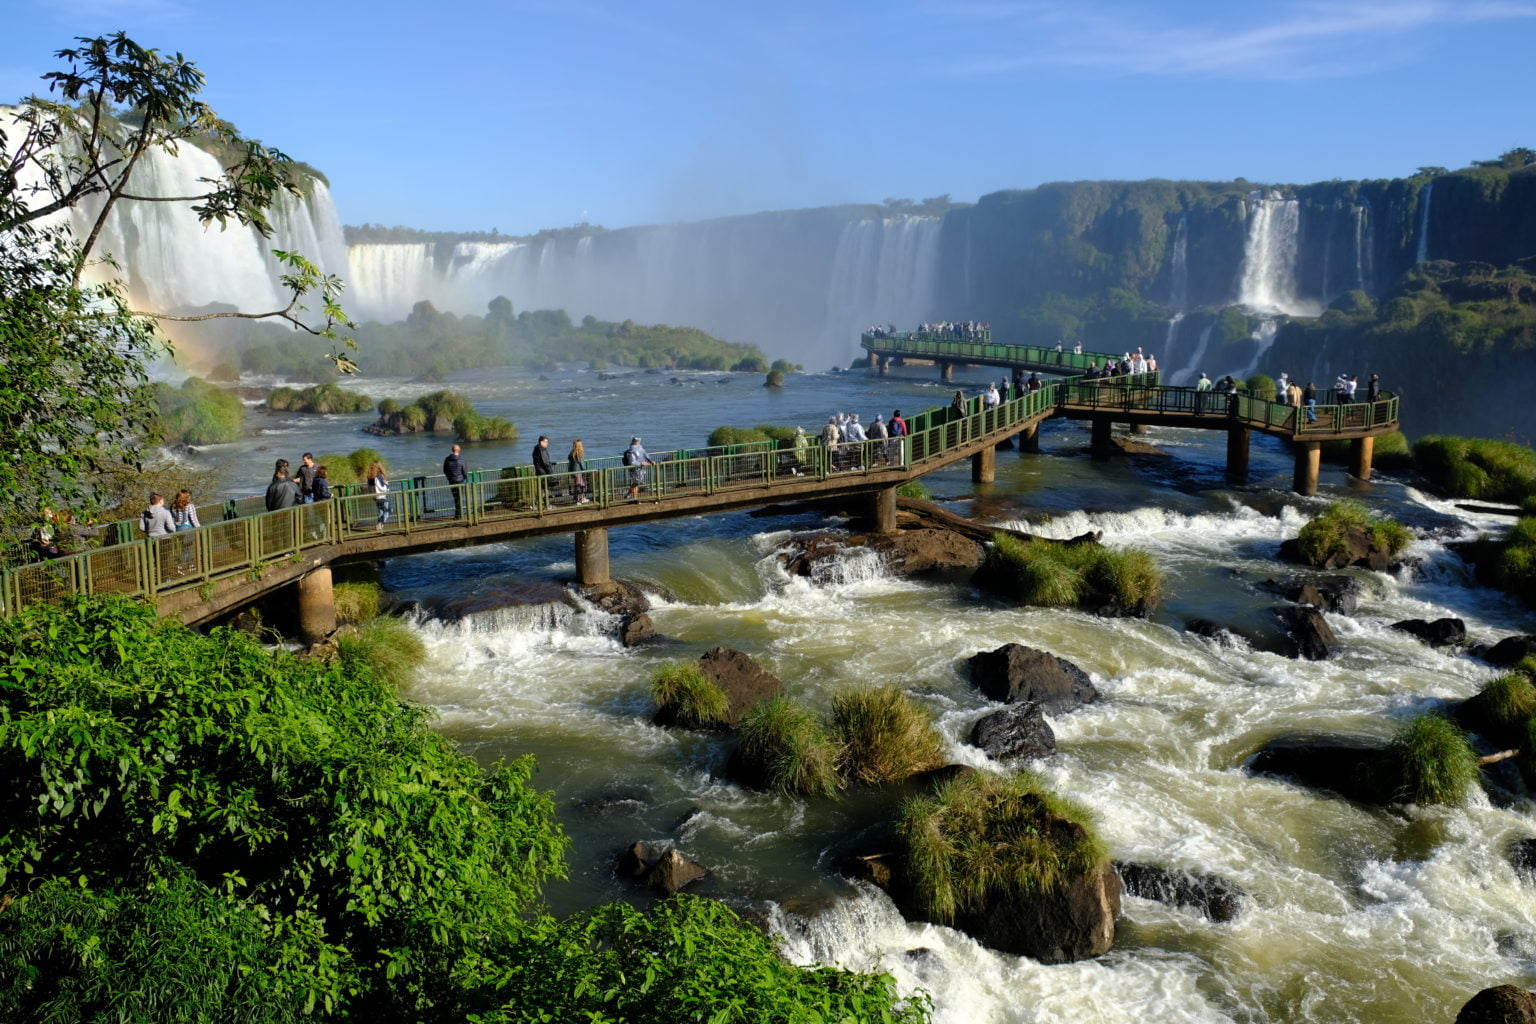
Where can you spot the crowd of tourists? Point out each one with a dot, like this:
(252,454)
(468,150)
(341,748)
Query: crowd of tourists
(851,445)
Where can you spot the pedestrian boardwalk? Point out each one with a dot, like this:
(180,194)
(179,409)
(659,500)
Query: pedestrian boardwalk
(200,575)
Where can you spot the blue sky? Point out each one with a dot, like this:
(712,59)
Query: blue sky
(525,115)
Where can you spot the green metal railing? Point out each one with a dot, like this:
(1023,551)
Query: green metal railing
(925,346)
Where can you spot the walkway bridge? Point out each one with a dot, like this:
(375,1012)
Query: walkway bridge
(201,575)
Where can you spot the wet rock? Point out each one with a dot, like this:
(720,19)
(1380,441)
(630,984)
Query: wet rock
(662,869)
(1224,635)
(1308,634)
(1072,921)
(1014,673)
(1018,731)
(1338,594)
(1216,898)
(1510,651)
(1357,549)
(1445,632)
(1522,855)
(1343,768)
(905,552)
(1502,1004)
(628,603)
(744,681)
(616,803)
(494,595)
(636,629)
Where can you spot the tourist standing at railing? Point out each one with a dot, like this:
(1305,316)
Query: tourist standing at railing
(994,398)
(322,484)
(184,515)
(878,434)
(856,439)
(282,492)
(636,459)
(456,473)
(958,404)
(305,477)
(1350,386)
(1203,387)
(1373,388)
(1077,348)
(1034,383)
(1151,364)
(378,486)
(280,467)
(895,430)
(543,462)
(1309,399)
(576,465)
(155,521)
(1283,386)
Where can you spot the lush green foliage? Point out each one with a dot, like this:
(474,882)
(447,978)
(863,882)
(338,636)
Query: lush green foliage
(885,735)
(318,398)
(349,469)
(760,434)
(979,839)
(689,697)
(1261,385)
(1501,709)
(1122,581)
(914,489)
(1472,467)
(687,959)
(198,413)
(444,410)
(1515,567)
(473,426)
(1325,535)
(288,815)
(787,747)
(1430,761)
(388,649)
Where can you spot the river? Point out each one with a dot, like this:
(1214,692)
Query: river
(1356,914)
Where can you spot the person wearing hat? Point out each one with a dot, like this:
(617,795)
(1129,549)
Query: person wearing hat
(636,458)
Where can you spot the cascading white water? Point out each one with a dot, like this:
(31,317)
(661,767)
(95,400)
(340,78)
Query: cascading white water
(1422,256)
(1263,338)
(1267,280)
(1187,374)
(1363,241)
(1178,298)
(802,286)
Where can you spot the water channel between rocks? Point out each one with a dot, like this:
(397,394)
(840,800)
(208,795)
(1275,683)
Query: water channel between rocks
(1356,914)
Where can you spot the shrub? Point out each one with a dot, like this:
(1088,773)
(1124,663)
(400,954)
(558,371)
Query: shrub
(413,417)
(361,459)
(775,379)
(472,426)
(1471,467)
(357,602)
(775,432)
(1123,581)
(885,735)
(1262,386)
(1326,535)
(198,412)
(1501,709)
(914,489)
(784,745)
(783,366)
(721,437)
(388,406)
(688,697)
(1430,761)
(389,648)
(281,399)
(751,364)
(979,839)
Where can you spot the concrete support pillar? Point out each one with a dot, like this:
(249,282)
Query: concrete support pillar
(946,370)
(1361,449)
(1308,459)
(317,606)
(1140,428)
(984,466)
(882,510)
(1103,444)
(592,556)
(885,365)
(1029,439)
(1237,452)
(874,360)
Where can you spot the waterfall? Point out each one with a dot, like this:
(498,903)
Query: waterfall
(1267,280)
(799,284)
(1178,298)
(1166,359)
(1363,239)
(1263,338)
(1187,374)
(1423,253)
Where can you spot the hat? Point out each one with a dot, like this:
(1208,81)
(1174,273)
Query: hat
(634,440)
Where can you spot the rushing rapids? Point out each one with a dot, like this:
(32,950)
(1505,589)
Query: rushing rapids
(1354,914)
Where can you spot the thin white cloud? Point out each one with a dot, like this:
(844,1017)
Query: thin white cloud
(1303,40)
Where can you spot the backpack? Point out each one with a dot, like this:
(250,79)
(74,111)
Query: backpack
(630,458)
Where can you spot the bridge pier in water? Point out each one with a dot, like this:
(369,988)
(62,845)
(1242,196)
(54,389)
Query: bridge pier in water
(946,370)
(1237,452)
(885,365)
(1029,439)
(1309,457)
(592,556)
(317,605)
(1103,445)
(879,513)
(1361,449)
(984,466)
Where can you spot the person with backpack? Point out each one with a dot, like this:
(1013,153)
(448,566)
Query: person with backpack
(156,521)
(636,459)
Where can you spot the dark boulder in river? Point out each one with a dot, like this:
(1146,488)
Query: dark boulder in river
(1308,634)
(1502,1004)
(744,681)
(1337,593)
(666,872)
(1510,651)
(1017,732)
(1357,549)
(1445,632)
(1216,898)
(1344,768)
(1014,673)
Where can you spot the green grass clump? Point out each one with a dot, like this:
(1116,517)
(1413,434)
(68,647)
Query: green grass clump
(784,744)
(472,426)
(320,399)
(720,437)
(1051,575)
(1476,467)
(688,697)
(1430,761)
(1325,537)
(979,839)
(389,648)
(1262,386)
(885,735)
(914,489)
(197,412)
(1501,709)
(357,603)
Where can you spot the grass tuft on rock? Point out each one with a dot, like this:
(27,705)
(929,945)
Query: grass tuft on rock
(1124,581)
(1430,761)
(1501,709)
(357,603)
(1476,467)
(389,648)
(688,697)
(784,745)
(980,838)
(914,489)
(885,735)
(1327,534)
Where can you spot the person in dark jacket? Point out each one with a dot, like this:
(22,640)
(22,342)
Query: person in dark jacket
(543,464)
(322,488)
(305,477)
(282,492)
(456,473)
(1373,388)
